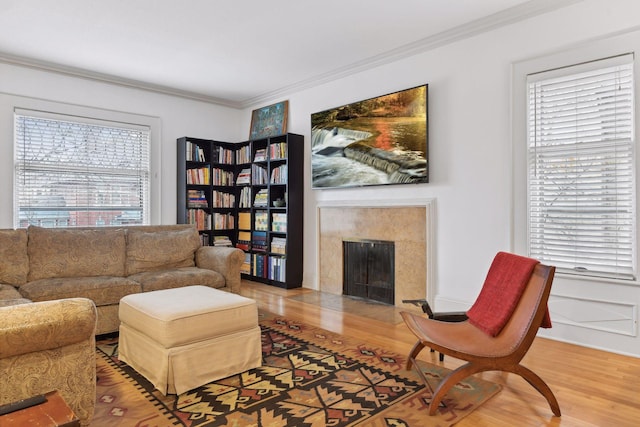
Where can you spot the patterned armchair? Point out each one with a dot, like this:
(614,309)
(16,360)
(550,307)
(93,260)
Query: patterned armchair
(47,346)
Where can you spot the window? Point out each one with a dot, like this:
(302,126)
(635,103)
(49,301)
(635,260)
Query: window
(581,169)
(74,172)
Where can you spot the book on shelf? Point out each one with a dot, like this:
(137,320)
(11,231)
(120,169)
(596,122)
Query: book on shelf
(200,218)
(279,222)
(245,198)
(259,241)
(244,177)
(204,239)
(244,240)
(261,221)
(222,177)
(198,176)
(244,220)
(259,266)
(279,175)
(261,155)
(243,155)
(277,267)
(194,153)
(262,198)
(197,199)
(223,221)
(224,155)
(222,241)
(279,245)
(258,175)
(220,199)
(278,150)
(246,265)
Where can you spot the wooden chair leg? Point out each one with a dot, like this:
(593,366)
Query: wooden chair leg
(449,381)
(539,384)
(417,348)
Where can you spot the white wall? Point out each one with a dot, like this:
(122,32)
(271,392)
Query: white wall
(30,88)
(470,144)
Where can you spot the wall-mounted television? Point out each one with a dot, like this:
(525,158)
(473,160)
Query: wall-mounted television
(378,141)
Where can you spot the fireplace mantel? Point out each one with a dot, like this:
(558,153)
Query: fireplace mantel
(408,223)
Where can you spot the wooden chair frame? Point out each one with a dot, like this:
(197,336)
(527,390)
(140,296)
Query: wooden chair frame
(483,352)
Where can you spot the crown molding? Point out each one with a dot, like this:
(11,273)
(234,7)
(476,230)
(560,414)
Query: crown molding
(509,16)
(108,78)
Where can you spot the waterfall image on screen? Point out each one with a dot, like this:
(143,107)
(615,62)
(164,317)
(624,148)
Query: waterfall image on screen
(378,141)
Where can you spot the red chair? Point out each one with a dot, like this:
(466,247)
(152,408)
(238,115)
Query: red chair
(500,329)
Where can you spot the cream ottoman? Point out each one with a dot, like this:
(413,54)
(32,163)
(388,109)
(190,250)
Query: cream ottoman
(182,338)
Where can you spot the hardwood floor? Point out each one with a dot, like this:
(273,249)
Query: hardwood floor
(593,387)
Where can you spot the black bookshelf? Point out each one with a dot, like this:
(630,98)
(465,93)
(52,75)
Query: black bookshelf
(267,193)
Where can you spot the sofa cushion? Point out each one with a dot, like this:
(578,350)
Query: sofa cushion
(178,277)
(161,250)
(8,292)
(10,296)
(102,290)
(14,261)
(76,252)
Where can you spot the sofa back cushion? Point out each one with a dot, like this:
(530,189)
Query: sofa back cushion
(14,261)
(158,250)
(68,252)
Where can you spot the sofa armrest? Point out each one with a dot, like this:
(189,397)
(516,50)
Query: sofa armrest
(46,325)
(225,260)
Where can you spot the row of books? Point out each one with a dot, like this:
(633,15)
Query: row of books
(200,218)
(244,177)
(268,267)
(262,198)
(223,155)
(246,243)
(259,241)
(194,153)
(244,240)
(199,176)
(228,156)
(243,155)
(220,199)
(279,175)
(222,177)
(223,221)
(197,199)
(279,222)
(279,245)
(245,198)
(278,151)
(222,241)
(261,221)
(258,175)
(261,155)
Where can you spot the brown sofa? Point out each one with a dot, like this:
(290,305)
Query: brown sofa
(105,264)
(47,346)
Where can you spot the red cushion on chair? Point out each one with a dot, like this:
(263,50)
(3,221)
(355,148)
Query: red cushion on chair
(505,282)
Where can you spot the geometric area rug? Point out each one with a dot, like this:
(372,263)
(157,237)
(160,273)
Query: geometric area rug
(309,377)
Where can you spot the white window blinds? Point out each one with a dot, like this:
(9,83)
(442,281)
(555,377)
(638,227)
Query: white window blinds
(582,170)
(74,172)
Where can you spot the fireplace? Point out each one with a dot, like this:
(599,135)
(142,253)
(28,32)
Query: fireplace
(369,269)
(408,224)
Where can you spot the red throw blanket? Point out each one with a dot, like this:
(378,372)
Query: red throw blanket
(505,283)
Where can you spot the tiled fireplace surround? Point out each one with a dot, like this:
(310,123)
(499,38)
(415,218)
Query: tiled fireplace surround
(406,224)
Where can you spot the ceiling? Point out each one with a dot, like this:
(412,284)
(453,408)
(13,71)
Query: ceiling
(238,53)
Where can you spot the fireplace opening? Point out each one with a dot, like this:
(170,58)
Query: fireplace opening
(369,269)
